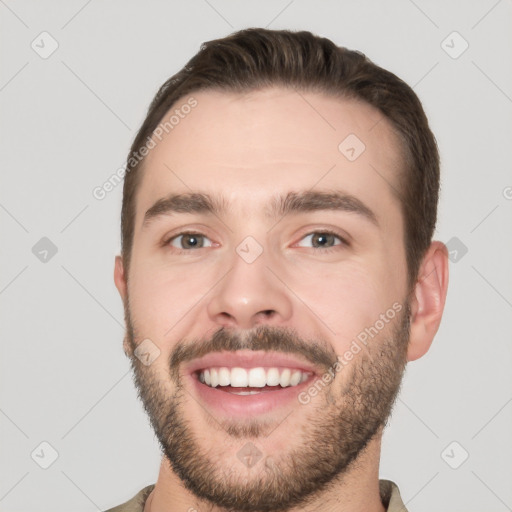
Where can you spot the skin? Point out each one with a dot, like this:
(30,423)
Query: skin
(250,147)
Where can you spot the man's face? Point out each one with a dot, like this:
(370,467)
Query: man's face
(295,281)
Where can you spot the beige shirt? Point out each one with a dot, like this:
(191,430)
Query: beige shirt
(389,495)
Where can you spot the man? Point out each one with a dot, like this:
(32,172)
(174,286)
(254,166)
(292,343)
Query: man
(277,273)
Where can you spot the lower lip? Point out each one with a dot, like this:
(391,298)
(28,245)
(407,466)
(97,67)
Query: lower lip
(243,406)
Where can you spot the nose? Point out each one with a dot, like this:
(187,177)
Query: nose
(250,294)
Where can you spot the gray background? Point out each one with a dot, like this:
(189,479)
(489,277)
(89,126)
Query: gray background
(67,121)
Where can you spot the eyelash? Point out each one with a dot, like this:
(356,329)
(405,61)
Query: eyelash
(343,241)
(167,241)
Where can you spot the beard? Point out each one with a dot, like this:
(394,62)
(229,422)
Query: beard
(333,430)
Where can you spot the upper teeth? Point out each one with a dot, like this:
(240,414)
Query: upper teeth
(254,377)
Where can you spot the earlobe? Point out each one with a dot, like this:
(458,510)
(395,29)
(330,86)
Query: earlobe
(428,300)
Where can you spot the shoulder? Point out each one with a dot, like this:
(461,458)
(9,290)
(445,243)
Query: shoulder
(135,504)
(390,496)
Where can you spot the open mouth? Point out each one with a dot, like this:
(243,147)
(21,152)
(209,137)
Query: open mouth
(251,381)
(243,384)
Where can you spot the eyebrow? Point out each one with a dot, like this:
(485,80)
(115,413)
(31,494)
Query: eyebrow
(278,207)
(299,202)
(184,203)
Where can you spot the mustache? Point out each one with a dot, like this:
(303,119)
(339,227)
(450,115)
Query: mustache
(266,338)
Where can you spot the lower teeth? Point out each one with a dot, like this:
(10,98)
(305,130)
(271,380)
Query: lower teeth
(245,392)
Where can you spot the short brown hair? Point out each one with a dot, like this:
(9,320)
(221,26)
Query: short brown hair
(256,58)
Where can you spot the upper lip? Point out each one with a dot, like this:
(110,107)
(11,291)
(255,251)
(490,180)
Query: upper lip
(250,359)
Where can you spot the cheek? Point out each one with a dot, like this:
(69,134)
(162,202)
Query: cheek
(164,302)
(346,300)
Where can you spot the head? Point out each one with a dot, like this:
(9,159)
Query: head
(278,212)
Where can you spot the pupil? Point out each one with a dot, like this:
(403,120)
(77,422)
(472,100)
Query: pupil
(323,239)
(191,241)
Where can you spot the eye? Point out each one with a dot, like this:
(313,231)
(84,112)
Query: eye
(321,240)
(189,241)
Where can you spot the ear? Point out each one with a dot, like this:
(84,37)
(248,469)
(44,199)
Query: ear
(122,287)
(428,299)
(119,277)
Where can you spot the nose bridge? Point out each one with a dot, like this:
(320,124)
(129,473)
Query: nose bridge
(249,293)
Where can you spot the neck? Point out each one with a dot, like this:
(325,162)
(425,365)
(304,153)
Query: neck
(356,491)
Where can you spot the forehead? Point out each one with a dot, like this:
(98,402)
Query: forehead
(251,146)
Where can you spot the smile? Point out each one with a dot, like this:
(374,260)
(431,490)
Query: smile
(258,377)
(247,383)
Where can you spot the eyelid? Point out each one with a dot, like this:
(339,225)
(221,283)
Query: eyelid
(166,241)
(342,236)
(337,242)
(172,239)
